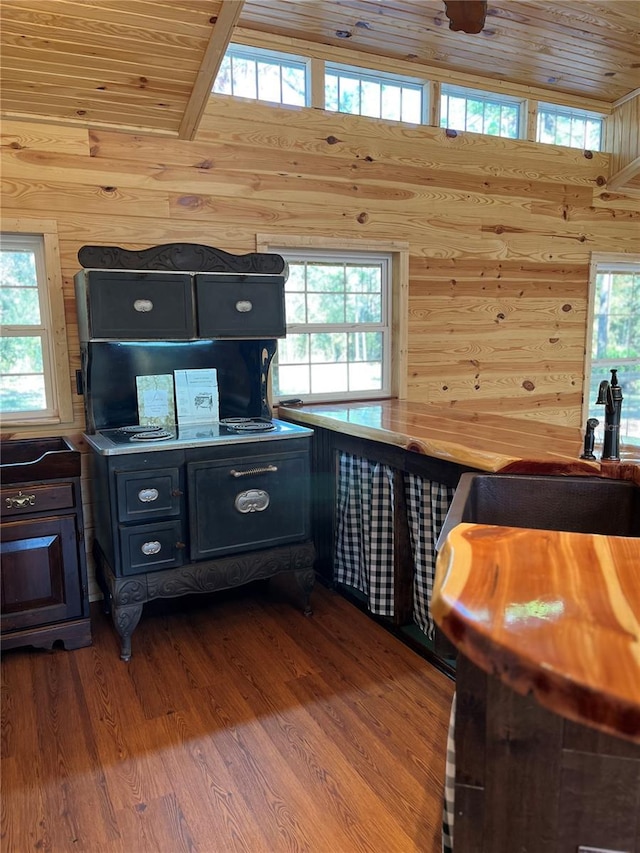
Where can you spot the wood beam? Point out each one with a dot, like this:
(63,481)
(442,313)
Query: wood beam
(228,15)
(625,176)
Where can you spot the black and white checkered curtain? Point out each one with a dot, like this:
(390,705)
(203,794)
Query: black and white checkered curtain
(427,506)
(364,530)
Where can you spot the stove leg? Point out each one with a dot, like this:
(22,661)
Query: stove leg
(305,579)
(125,619)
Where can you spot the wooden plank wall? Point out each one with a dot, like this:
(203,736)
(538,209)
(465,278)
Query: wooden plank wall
(500,231)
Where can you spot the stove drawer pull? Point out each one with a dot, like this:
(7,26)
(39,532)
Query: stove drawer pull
(143,306)
(150,548)
(243,306)
(254,500)
(268,469)
(146,496)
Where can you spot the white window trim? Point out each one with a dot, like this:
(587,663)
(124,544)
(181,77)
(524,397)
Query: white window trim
(370,74)
(620,263)
(569,112)
(493,97)
(399,251)
(281,58)
(54,320)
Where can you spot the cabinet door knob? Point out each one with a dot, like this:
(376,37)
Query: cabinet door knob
(20,501)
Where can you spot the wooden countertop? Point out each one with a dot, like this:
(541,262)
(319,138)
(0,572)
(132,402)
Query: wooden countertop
(479,440)
(549,613)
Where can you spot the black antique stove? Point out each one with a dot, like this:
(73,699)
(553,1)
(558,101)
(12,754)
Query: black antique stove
(184,507)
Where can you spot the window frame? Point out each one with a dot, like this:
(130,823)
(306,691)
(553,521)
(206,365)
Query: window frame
(602,262)
(56,364)
(569,112)
(450,89)
(372,75)
(398,299)
(256,54)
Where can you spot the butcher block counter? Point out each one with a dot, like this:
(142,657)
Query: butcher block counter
(478,440)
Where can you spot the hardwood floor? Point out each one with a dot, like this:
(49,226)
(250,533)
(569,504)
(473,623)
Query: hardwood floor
(238,725)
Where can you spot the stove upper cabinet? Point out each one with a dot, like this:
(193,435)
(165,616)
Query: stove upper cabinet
(240,306)
(130,306)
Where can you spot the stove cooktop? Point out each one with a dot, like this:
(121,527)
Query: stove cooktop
(142,439)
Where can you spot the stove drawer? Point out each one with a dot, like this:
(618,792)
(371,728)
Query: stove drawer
(145,495)
(242,505)
(151,547)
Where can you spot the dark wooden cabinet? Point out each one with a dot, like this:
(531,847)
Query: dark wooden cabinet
(44,578)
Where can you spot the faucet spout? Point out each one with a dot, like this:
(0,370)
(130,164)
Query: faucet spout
(610,396)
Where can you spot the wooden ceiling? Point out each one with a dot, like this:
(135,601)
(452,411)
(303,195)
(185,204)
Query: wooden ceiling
(149,64)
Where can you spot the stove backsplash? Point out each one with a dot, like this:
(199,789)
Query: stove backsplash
(110,369)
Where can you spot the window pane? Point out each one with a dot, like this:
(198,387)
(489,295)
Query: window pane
(19,298)
(331,92)
(349,96)
(296,279)
(244,78)
(365,376)
(391,102)
(294,86)
(365,308)
(371,99)
(292,380)
(21,355)
(329,378)
(294,349)
(223,86)
(325,277)
(411,105)
(296,307)
(365,346)
(328,347)
(22,394)
(325,308)
(363,279)
(269,82)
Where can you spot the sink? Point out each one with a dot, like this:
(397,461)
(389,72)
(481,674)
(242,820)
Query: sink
(574,504)
(32,459)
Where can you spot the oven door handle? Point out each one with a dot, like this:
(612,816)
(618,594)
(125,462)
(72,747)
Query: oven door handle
(267,469)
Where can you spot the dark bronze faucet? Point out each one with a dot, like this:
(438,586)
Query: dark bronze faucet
(610,396)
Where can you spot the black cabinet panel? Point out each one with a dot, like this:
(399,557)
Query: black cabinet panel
(143,495)
(135,305)
(240,306)
(244,504)
(151,547)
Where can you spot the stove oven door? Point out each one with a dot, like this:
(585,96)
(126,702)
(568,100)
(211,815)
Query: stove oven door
(246,502)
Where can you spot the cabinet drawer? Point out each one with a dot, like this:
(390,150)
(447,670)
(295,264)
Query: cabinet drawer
(29,499)
(241,306)
(145,495)
(151,547)
(140,306)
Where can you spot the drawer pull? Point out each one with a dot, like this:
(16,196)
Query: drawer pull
(148,495)
(20,501)
(268,469)
(151,548)
(254,500)
(243,306)
(143,306)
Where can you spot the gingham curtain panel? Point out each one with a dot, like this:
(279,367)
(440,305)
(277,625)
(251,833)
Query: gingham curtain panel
(427,506)
(364,534)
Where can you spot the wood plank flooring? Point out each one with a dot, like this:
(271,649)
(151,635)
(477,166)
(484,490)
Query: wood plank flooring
(238,725)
